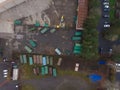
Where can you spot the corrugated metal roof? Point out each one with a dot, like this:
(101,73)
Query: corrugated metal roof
(82,13)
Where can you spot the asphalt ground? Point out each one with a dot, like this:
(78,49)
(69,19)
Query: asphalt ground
(6,84)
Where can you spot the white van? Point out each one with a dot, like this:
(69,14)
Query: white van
(58,51)
(76,66)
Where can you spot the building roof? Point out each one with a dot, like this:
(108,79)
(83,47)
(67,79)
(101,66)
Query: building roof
(7,4)
(82,13)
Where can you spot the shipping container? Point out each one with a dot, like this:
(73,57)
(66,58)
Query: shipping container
(40,59)
(44,62)
(51,60)
(74,38)
(50,70)
(24,59)
(32,43)
(32,29)
(59,61)
(46,69)
(53,30)
(35,59)
(28,49)
(21,59)
(47,59)
(30,61)
(54,72)
(15,73)
(78,33)
(43,70)
(44,30)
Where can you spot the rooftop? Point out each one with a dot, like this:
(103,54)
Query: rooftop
(82,13)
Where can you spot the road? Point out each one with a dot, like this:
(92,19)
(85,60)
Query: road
(105,44)
(4,83)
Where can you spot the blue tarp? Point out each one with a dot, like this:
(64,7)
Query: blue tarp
(102,62)
(95,77)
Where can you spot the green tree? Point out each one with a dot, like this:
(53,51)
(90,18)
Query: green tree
(113,33)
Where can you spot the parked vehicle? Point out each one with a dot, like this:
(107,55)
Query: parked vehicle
(53,30)
(44,30)
(78,33)
(110,51)
(106,16)
(105,52)
(106,6)
(117,67)
(5,76)
(37,24)
(5,73)
(15,74)
(106,24)
(18,22)
(75,38)
(32,43)
(106,9)
(105,0)
(59,61)
(5,70)
(5,59)
(28,49)
(76,66)
(105,3)
(17,87)
(32,29)
(58,51)
(100,50)
(77,48)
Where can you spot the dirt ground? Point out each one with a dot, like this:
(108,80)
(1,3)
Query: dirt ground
(46,43)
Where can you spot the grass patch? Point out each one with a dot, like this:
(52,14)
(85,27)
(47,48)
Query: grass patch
(73,73)
(112,9)
(27,72)
(27,87)
(112,3)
